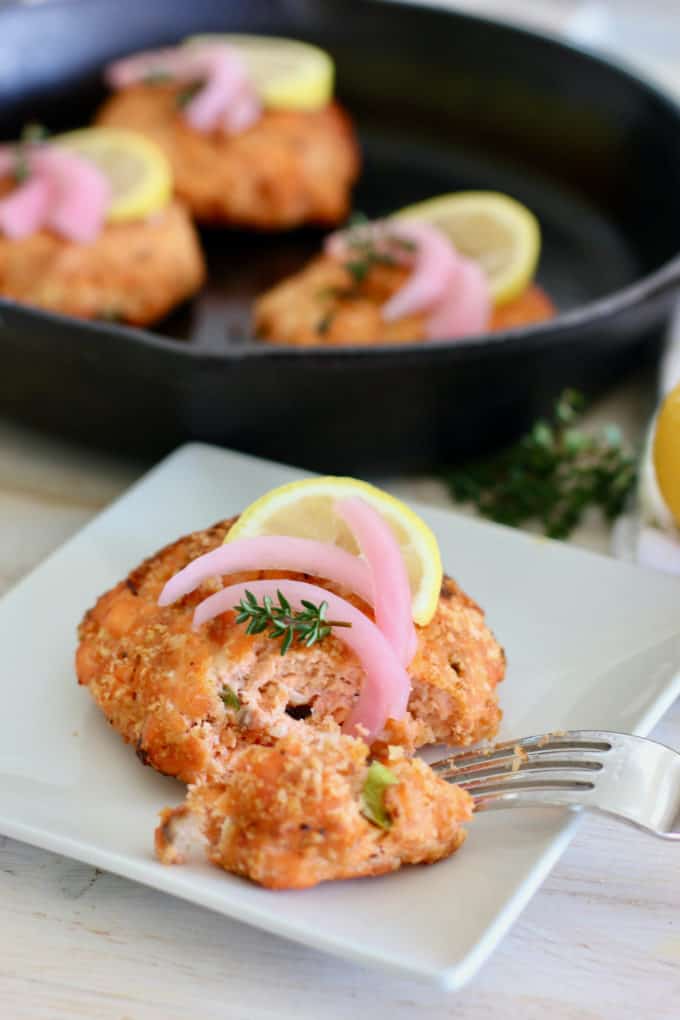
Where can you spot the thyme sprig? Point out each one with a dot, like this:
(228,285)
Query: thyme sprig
(31,134)
(552,475)
(368,245)
(307,626)
(372,245)
(184,96)
(158,77)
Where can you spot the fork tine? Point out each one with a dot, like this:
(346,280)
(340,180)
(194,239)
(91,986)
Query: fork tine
(519,758)
(504,768)
(528,749)
(517,784)
(623,775)
(526,794)
(542,777)
(553,757)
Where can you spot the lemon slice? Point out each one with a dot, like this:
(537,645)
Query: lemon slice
(305,510)
(493,229)
(287,73)
(666,452)
(140,175)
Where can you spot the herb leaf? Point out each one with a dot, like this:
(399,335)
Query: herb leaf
(111,314)
(184,97)
(158,78)
(31,134)
(230,697)
(358,218)
(325,322)
(368,245)
(308,626)
(34,132)
(379,777)
(374,241)
(552,475)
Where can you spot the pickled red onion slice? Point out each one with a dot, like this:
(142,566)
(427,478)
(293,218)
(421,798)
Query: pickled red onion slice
(227,99)
(452,289)
(273,552)
(24,210)
(226,87)
(434,261)
(391,588)
(465,309)
(429,251)
(64,192)
(245,112)
(386,688)
(82,193)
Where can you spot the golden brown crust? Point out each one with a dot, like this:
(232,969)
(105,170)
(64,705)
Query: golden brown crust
(159,682)
(289,816)
(133,272)
(290,168)
(324,305)
(314,307)
(458,668)
(532,306)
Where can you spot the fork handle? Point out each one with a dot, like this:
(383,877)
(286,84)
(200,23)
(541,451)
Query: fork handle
(500,799)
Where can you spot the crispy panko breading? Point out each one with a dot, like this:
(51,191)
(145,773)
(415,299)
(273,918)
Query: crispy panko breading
(133,272)
(324,305)
(290,815)
(277,788)
(159,682)
(291,167)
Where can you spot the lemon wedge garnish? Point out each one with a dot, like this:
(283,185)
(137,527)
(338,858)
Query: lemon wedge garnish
(491,228)
(305,510)
(140,175)
(666,451)
(288,74)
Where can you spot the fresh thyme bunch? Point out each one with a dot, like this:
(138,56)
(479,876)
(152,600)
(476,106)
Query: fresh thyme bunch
(552,475)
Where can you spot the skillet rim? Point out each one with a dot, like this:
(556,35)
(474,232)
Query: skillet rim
(655,284)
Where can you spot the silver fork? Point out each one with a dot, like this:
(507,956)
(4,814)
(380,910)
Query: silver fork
(629,777)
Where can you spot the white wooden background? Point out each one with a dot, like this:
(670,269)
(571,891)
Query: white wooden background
(601,941)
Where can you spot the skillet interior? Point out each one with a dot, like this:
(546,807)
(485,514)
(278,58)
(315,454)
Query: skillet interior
(443,101)
(586,253)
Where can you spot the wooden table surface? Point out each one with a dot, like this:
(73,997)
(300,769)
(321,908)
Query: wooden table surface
(600,941)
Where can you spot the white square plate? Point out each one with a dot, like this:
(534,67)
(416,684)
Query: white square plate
(591,643)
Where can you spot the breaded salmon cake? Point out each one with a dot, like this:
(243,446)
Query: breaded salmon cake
(290,815)
(133,272)
(169,690)
(325,305)
(289,168)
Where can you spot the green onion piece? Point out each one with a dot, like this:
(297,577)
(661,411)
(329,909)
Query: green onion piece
(373,794)
(230,698)
(184,97)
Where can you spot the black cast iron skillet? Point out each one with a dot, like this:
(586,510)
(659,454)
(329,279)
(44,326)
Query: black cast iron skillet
(443,101)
